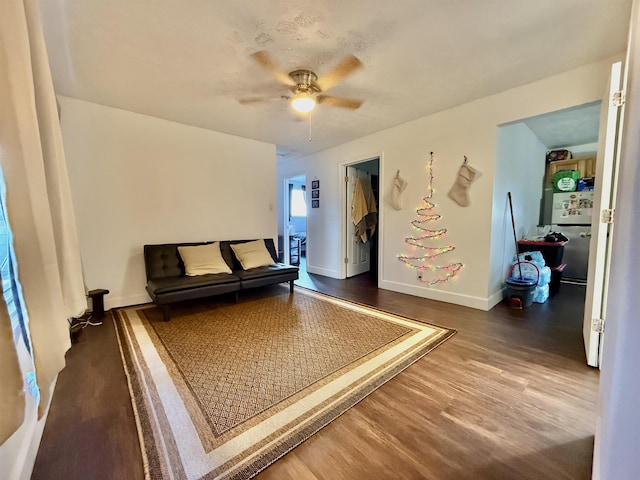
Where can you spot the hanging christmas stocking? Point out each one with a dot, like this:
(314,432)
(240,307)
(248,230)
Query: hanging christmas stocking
(399,186)
(459,193)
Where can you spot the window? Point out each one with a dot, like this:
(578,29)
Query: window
(298,203)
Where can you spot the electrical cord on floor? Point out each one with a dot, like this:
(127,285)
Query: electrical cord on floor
(83,320)
(77,324)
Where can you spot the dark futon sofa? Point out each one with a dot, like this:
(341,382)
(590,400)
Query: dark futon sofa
(167,282)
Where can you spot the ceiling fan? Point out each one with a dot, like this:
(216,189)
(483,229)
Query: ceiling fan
(307,88)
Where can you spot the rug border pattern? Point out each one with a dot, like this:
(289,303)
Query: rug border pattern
(257,460)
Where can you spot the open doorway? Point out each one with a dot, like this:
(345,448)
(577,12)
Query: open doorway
(526,169)
(362,180)
(293,242)
(580,209)
(573,130)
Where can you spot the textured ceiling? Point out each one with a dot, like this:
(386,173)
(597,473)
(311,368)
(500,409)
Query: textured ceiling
(188,61)
(566,128)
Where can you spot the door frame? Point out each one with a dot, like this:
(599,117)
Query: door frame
(355,248)
(285,215)
(602,233)
(342,196)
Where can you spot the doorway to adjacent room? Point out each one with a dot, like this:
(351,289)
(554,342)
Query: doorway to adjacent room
(293,242)
(362,222)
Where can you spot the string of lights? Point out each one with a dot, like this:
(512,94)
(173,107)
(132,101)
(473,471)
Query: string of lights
(428,273)
(421,224)
(431,252)
(427,206)
(426,234)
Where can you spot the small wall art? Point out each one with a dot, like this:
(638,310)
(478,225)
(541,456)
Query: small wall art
(315,193)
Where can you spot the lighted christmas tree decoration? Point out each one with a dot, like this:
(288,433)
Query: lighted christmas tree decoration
(429,273)
(425,211)
(430,252)
(424,219)
(428,234)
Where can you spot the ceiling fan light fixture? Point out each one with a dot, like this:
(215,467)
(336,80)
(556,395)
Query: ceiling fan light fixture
(303,102)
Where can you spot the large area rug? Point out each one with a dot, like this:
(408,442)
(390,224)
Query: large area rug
(223,389)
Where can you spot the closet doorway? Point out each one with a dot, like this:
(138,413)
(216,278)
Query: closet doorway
(362,221)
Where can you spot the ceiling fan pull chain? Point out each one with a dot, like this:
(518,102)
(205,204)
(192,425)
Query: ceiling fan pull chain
(310,127)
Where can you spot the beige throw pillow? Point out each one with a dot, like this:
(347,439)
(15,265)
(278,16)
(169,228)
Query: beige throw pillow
(252,254)
(203,259)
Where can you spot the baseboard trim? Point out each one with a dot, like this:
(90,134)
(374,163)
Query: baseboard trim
(478,303)
(323,271)
(117,302)
(496,298)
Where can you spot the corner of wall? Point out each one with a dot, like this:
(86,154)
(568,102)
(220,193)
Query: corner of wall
(495,298)
(323,271)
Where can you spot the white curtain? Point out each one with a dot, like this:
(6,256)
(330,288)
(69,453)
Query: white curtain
(11,384)
(38,199)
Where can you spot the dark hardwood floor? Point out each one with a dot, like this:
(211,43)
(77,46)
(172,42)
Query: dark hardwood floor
(508,397)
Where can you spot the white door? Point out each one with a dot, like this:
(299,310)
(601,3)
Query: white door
(358,260)
(601,230)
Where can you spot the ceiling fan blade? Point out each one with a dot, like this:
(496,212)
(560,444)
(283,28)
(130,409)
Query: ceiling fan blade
(266,62)
(346,67)
(349,103)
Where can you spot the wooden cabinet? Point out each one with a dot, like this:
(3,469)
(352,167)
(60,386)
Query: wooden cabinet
(586,166)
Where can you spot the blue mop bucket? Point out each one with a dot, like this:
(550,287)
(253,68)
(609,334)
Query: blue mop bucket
(520,290)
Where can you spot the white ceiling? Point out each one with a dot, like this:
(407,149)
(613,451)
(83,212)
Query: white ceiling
(569,127)
(188,60)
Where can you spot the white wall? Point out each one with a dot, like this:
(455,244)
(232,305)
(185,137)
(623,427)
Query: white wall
(469,129)
(519,169)
(137,179)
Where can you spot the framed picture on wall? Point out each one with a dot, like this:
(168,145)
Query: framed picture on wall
(315,203)
(315,184)
(315,193)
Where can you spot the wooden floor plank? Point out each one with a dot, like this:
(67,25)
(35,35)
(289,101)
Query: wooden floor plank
(509,396)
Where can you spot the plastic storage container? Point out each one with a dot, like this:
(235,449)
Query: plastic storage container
(551,251)
(565,181)
(520,290)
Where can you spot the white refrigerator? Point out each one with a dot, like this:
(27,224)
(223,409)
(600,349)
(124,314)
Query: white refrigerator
(572,208)
(571,215)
